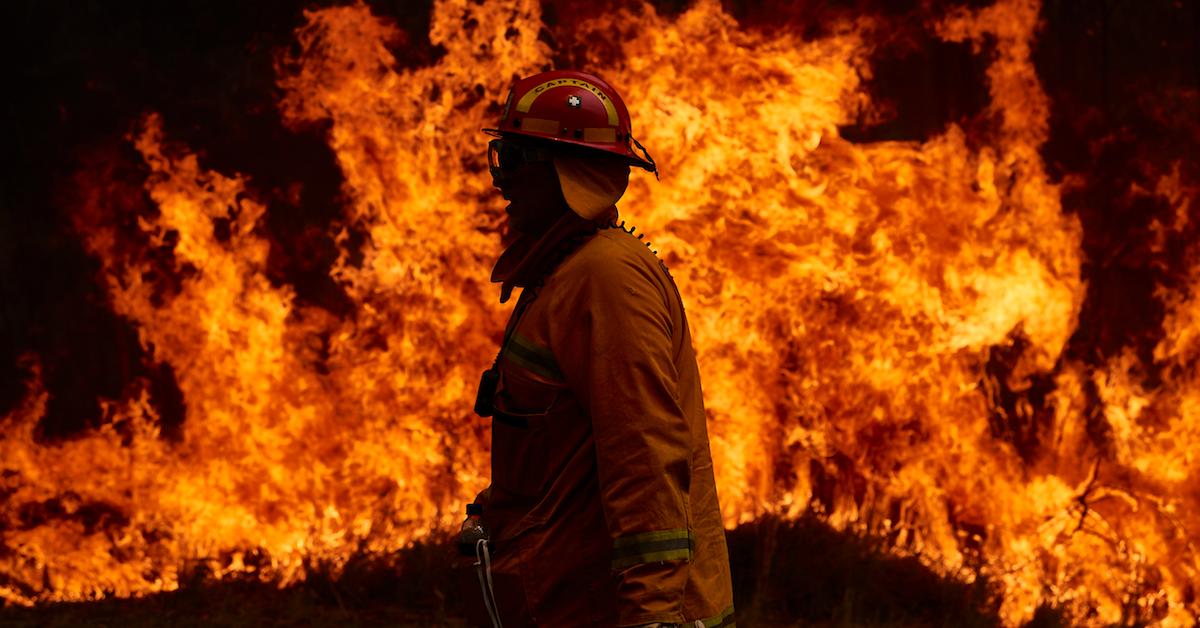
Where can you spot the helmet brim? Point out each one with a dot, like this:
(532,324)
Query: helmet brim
(585,146)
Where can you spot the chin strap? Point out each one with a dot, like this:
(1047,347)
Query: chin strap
(653,166)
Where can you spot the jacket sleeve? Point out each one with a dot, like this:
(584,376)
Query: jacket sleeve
(616,351)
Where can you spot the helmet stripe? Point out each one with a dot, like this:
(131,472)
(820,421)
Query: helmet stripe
(540,125)
(526,101)
(600,135)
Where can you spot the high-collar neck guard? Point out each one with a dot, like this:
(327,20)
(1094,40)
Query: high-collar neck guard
(529,259)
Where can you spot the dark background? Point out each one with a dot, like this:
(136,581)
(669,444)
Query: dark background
(1123,76)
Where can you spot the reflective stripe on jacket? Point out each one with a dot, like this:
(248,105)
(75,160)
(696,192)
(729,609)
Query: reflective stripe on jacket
(603,506)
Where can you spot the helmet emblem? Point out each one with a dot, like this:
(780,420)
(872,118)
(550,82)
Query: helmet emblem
(573,101)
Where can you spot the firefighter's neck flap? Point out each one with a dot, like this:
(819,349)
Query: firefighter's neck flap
(591,184)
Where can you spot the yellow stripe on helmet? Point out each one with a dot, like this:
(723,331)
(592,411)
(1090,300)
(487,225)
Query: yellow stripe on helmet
(526,101)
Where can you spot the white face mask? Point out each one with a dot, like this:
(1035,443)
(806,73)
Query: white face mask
(591,184)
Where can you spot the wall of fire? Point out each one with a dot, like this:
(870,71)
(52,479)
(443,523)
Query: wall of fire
(942,260)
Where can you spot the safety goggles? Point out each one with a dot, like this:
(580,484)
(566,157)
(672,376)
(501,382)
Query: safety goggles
(506,157)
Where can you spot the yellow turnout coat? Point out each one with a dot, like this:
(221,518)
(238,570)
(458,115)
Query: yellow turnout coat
(603,507)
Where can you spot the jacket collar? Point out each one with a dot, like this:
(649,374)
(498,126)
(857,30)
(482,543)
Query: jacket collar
(530,258)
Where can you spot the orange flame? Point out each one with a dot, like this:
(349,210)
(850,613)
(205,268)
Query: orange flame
(844,298)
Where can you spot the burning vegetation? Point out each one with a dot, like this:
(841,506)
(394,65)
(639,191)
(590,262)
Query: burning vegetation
(943,276)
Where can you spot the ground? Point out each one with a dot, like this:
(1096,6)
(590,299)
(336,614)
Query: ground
(786,573)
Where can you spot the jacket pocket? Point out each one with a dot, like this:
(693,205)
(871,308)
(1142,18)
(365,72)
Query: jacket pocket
(523,428)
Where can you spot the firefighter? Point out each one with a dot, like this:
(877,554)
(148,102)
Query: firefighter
(602,509)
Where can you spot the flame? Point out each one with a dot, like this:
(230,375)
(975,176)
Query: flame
(849,303)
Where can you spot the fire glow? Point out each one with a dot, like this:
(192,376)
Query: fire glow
(847,301)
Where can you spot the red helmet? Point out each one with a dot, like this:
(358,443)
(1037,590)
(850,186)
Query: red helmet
(571,107)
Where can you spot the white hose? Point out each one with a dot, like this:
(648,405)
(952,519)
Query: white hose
(483,567)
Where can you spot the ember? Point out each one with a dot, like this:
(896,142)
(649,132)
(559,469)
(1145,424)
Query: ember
(920,339)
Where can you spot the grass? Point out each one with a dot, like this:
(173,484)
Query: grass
(786,573)
(806,573)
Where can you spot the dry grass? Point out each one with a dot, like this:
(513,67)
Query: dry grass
(800,573)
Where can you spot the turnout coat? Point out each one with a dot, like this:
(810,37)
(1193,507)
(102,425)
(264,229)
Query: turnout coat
(603,507)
